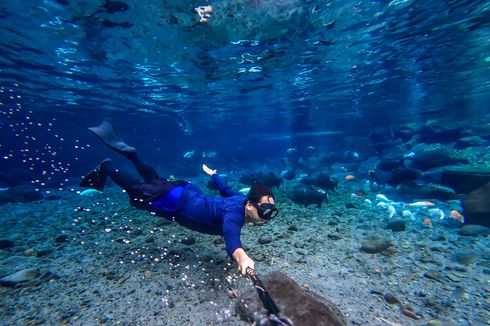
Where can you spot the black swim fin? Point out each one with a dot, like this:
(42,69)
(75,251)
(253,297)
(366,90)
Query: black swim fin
(109,137)
(95,179)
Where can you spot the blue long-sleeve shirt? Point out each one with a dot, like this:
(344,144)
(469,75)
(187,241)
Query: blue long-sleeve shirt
(213,215)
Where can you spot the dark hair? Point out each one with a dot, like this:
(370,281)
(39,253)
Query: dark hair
(258,191)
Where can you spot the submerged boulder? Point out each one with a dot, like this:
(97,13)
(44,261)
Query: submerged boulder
(429,191)
(476,206)
(465,178)
(307,195)
(436,155)
(25,277)
(302,307)
(20,194)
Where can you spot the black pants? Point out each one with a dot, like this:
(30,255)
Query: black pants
(133,187)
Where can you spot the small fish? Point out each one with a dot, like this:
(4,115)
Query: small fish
(457,215)
(368,203)
(4,189)
(437,213)
(421,204)
(244,191)
(358,193)
(381,204)
(311,148)
(407,214)
(291,150)
(209,154)
(409,155)
(90,192)
(204,13)
(189,154)
(382,197)
(391,211)
(355,154)
(427,222)
(349,177)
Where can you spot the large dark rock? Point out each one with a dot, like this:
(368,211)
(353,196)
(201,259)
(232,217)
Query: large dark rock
(464,178)
(18,176)
(20,194)
(427,191)
(321,180)
(436,155)
(301,306)
(362,145)
(476,206)
(267,179)
(440,132)
(470,141)
(307,195)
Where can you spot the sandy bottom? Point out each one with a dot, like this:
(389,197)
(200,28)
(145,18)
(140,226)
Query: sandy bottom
(119,265)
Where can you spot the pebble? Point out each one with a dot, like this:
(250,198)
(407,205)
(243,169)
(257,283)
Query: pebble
(265,239)
(391,299)
(62,238)
(293,228)
(334,236)
(410,314)
(466,258)
(188,241)
(22,276)
(473,230)
(375,246)
(434,275)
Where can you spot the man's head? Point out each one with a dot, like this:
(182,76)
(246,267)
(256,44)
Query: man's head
(260,204)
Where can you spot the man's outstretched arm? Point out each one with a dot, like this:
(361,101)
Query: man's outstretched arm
(223,188)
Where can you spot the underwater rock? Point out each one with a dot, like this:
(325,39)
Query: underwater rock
(440,132)
(397,226)
(471,141)
(18,176)
(320,180)
(389,164)
(26,277)
(6,243)
(473,230)
(465,179)
(269,179)
(20,194)
(22,276)
(382,145)
(430,190)
(188,241)
(436,155)
(375,246)
(361,145)
(405,132)
(307,195)
(466,258)
(62,238)
(265,239)
(402,175)
(476,206)
(301,306)
(394,177)
(391,299)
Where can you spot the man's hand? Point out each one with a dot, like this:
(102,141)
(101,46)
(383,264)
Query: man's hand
(208,170)
(243,261)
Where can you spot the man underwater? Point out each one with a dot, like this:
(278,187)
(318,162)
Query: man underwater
(184,202)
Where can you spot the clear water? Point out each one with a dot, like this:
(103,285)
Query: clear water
(259,78)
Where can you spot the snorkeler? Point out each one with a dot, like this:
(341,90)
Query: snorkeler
(184,202)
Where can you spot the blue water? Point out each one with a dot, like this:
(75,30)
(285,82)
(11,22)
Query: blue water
(257,79)
(256,71)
